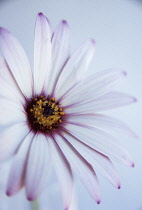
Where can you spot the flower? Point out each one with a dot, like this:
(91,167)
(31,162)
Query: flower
(50,115)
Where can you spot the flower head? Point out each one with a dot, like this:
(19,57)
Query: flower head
(50,114)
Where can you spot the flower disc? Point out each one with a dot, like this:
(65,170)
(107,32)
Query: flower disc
(43,114)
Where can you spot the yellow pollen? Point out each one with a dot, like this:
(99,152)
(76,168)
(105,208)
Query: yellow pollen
(45,114)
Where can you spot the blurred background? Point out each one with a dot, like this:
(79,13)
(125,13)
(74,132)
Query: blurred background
(117,28)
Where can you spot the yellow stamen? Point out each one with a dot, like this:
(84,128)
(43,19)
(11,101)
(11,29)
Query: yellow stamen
(46,113)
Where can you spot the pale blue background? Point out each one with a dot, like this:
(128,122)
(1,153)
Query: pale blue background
(116,25)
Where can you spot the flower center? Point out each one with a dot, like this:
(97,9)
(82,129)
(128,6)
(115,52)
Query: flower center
(44,114)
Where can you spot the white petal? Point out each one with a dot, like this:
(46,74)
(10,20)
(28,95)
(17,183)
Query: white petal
(17,172)
(10,139)
(17,61)
(37,167)
(99,162)
(11,112)
(63,171)
(75,68)
(42,52)
(101,141)
(74,203)
(81,168)
(10,92)
(8,86)
(108,101)
(93,87)
(101,121)
(60,54)
(5,72)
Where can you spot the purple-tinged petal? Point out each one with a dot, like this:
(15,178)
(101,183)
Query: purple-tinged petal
(75,68)
(108,101)
(37,167)
(63,171)
(102,122)
(42,52)
(60,54)
(11,112)
(11,138)
(82,168)
(18,167)
(101,142)
(17,61)
(99,162)
(93,87)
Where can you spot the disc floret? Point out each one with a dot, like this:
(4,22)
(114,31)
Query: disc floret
(44,114)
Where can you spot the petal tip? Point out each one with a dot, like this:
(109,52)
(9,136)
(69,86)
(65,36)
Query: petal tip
(64,22)
(118,187)
(64,25)
(99,201)
(124,73)
(30,198)
(132,165)
(135,99)
(40,14)
(67,207)
(8,193)
(93,42)
(42,18)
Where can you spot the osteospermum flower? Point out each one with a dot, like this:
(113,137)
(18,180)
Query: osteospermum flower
(50,114)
